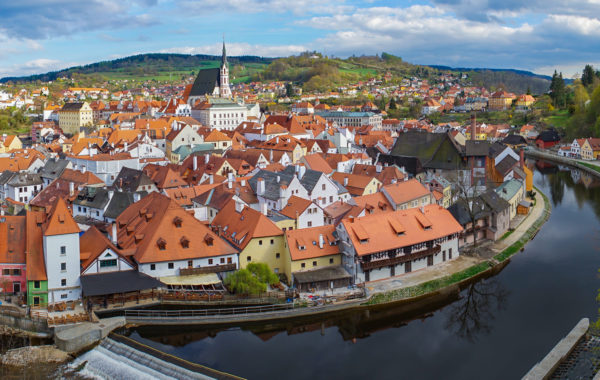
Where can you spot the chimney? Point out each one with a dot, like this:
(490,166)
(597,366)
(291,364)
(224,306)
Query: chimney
(71,188)
(243,182)
(522,155)
(263,208)
(302,171)
(83,169)
(351,218)
(473,127)
(277,140)
(278,178)
(136,197)
(195,158)
(345,181)
(110,194)
(282,190)
(114,233)
(206,158)
(378,168)
(239,206)
(211,179)
(321,241)
(260,187)
(230,180)
(125,146)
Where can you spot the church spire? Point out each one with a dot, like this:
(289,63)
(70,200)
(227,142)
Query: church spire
(224,56)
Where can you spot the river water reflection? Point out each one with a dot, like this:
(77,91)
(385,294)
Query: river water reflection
(498,329)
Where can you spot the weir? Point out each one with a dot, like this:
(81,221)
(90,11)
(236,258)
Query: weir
(113,359)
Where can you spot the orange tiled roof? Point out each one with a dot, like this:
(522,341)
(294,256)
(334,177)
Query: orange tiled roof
(295,206)
(405,191)
(36,268)
(384,231)
(304,243)
(12,239)
(60,221)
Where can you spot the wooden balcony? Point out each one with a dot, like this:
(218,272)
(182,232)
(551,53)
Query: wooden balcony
(208,269)
(400,259)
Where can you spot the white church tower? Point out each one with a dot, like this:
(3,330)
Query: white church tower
(224,90)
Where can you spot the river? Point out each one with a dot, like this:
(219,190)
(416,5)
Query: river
(498,329)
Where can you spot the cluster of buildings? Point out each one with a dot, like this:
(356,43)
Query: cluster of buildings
(132,196)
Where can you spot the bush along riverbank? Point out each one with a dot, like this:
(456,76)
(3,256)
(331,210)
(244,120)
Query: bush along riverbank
(471,273)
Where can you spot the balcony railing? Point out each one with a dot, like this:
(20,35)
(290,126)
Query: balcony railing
(400,259)
(209,269)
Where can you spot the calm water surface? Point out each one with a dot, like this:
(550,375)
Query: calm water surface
(498,329)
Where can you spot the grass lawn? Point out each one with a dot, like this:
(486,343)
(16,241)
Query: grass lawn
(588,165)
(559,119)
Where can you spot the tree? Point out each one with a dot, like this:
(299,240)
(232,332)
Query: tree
(251,280)
(393,104)
(557,90)
(587,78)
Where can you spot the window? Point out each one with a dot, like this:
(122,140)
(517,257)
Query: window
(309,224)
(108,263)
(36,284)
(314,263)
(63,267)
(16,272)
(222,261)
(248,258)
(63,296)
(272,241)
(303,265)
(63,250)
(260,242)
(171,265)
(277,255)
(63,282)
(152,266)
(331,260)
(323,187)
(229,260)
(6,272)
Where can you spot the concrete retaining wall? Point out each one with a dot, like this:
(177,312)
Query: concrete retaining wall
(37,326)
(544,369)
(75,338)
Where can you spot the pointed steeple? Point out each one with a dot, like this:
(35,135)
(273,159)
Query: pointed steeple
(224,56)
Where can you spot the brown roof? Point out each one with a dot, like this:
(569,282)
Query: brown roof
(304,243)
(92,243)
(12,239)
(241,227)
(157,221)
(36,268)
(80,178)
(295,206)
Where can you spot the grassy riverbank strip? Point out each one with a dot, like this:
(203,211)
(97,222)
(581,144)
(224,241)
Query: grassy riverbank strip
(529,234)
(429,286)
(590,166)
(455,278)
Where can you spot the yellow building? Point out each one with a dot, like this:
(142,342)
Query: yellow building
(500,100)
(512,191)
(73,116)
(8,143)
(256,237)
(315,259)
(357,184)
(590,149)
(480,134)
(525,101)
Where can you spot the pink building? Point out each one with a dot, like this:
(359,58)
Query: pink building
(12,254)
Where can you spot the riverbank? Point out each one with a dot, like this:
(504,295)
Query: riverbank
(420,287)
(588,166)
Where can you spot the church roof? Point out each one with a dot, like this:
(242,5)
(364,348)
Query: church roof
(205,82)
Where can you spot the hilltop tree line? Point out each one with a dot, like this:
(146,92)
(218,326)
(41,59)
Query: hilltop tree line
(581,99)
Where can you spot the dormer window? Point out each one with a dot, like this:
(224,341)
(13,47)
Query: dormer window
(185,242)
(162,244)
(177,222)
(208,240)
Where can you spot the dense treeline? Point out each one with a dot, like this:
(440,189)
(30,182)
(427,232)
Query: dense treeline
(140,64)
(509,80)
(582,100)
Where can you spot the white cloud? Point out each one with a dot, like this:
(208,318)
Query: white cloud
(298,7)
(35,66)
(236,49)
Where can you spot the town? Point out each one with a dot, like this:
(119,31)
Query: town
(115,197)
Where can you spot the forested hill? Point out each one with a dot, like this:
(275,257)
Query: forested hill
(518,81)
(142,64)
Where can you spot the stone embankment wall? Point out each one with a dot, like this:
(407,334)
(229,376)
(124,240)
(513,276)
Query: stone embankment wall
(561,160)
(21,321)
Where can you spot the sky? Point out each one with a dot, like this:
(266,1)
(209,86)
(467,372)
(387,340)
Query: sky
(37,36)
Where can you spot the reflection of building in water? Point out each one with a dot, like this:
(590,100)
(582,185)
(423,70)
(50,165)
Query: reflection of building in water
(575,175)
(587,180)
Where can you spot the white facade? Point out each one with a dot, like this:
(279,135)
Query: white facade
(325,192)
(61,255)
(106,170)
(313,216)
(104,263)
(171,268)
(222,116)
